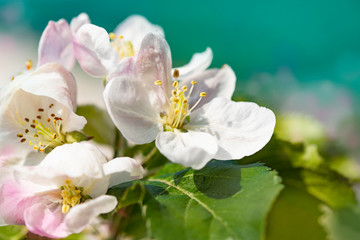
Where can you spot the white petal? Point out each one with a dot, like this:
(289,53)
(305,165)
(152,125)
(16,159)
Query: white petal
(54,81)
(193,149)
(198,63)
(81,215)
(242,128)
(215,82)
(129,106)
(78,21)
(123,169)
(93,50)
(135,27)
(76,160)
(56,45)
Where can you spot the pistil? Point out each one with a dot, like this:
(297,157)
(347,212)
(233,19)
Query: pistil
(42,131)
(178,110)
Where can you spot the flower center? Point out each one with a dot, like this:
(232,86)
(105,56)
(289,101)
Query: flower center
(71,195)
(43,131)
(122,47)
(179,109)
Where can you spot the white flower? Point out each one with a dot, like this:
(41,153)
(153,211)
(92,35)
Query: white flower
(193,119)
(37,109)
(66,191)
(98,52)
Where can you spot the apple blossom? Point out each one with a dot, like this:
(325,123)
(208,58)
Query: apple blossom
(66,191)
(192,120)
(37,109)
(98,52)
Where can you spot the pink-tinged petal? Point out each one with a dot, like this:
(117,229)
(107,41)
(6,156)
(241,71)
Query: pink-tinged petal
(198,63)
(76,160)
(242,128)
(153,63)
(93,50)
(193,149)
(215,82)
(135,27)
(123,169)
(81,215)
(130,107)
(56,45)
(14,200)
(78,21)
(46,219)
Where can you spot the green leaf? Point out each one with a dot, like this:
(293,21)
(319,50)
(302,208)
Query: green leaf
(222,201)
(300,167)
(13,232)
(128,194)
(295,216)
(99,124)
(341,224)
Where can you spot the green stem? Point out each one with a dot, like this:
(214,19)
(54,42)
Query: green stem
(116,143)
(150,155)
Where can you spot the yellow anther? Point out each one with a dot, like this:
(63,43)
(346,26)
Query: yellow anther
(65,208)
(177,111)
(112,36)
(184,88)
(173,92)
(175,84)
(12,78)
(30,143)
(120,36)
(28,64)
(158,82)
(185,101)
(203,94)
(193,82)
(176,73)
(68,181)
(36,147)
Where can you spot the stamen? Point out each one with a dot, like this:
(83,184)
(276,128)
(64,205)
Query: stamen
(158,82)
(184,88)
(28,64)
(203,94)
(120,36)
(175,84)
(193,82)
(112,36)
(43,133)
(176,73)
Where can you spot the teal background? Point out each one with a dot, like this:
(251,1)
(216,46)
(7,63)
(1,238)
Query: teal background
(315,43)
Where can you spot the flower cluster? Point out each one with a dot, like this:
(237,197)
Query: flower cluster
(53,179)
